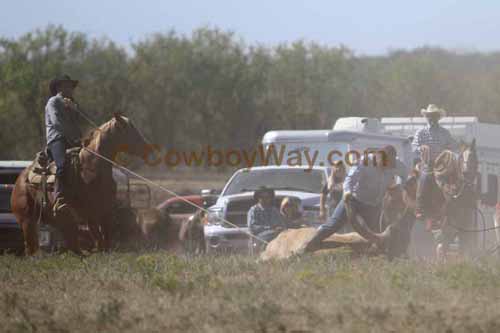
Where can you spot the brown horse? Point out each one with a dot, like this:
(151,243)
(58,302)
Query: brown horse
(93,193)
(454,202)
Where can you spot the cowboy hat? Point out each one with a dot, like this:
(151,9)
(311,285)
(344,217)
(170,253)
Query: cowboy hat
(262,190)
(433,109)
(56,81)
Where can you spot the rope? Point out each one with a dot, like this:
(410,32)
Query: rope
(163,188)
(473,230)
(93,123)
(87,117)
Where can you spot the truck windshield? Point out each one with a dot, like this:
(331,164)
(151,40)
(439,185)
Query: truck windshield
(5,200)
(278,179)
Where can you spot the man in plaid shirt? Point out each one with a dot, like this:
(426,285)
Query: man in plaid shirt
(263,219)
(436,139)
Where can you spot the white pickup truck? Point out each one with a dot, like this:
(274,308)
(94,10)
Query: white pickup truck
(236,199)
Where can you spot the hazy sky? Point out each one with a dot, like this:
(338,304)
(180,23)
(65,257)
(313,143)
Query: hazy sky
(368,27)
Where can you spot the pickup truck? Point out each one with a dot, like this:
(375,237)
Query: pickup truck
(236,198)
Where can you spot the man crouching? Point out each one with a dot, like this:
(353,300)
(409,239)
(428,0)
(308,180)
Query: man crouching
(364,189)
(263,219)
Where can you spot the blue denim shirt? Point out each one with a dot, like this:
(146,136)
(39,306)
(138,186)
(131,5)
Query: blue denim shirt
(60,123)
(368,183)
(260,219)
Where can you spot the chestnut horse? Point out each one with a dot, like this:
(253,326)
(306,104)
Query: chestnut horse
(92,195)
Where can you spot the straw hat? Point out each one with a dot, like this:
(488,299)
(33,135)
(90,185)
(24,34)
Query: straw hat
(433,109)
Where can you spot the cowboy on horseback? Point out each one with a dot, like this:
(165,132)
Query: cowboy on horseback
(428,143)
(364,189)
(62,132)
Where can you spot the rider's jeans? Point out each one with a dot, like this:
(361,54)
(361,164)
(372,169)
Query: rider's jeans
(57,151)
(424,191)
(369,213)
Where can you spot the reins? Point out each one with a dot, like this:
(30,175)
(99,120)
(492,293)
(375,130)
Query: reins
(164,189)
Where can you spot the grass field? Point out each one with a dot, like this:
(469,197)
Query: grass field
(156,292)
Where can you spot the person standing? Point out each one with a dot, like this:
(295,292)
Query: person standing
(332,192)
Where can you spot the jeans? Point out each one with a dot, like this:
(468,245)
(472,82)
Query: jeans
(57,150)
(267,236)
(370,215)
(425,191)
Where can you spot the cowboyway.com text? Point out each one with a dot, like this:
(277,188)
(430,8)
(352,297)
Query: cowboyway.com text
(154,155)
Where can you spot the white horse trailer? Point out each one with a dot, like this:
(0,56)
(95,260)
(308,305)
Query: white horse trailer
(333,145)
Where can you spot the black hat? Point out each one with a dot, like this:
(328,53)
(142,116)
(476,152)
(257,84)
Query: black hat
(262,190)
(55,82)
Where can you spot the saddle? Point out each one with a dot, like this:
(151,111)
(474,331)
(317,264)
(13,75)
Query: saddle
(43,170)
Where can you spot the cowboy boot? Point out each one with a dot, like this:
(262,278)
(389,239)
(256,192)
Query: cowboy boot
(61,206)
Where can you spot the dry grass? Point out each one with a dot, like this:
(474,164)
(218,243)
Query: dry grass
(156,292)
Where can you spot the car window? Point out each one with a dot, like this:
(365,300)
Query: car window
(5,200)
(279,179)
(181,207)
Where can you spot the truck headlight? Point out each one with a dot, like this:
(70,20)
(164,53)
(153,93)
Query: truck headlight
(215,216)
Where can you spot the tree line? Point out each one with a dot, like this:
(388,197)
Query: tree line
(212,88)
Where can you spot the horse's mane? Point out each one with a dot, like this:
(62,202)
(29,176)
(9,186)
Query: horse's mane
(92,134)
(93,140)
